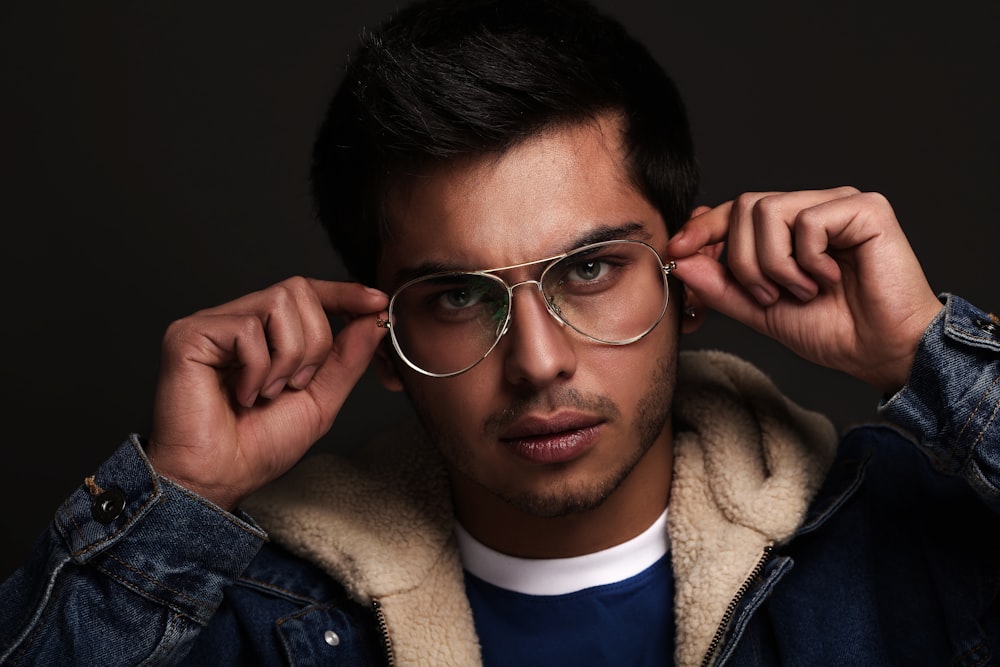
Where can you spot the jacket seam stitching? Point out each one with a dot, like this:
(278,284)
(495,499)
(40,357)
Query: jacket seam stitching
(157,599)
(972,415)
(166,644)
(303,612)
(993,416)
(280,589)
(155,582)
(210,506)
(93,546)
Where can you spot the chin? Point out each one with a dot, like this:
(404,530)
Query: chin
(559,501)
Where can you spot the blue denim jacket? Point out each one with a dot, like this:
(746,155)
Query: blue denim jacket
(898,561)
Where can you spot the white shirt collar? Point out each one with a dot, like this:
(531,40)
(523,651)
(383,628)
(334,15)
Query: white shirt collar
(558,576)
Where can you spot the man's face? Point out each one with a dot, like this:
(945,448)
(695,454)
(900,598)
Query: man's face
(550,422)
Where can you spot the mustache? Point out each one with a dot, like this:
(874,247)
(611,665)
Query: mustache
(551,401)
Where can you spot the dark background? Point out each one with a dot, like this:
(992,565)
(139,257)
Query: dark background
(154,161)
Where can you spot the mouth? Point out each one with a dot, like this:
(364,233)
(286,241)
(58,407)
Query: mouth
(556,439)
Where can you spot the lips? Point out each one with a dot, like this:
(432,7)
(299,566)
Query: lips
(557,439)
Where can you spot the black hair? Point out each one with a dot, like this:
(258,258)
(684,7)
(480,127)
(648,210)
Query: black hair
(448,78)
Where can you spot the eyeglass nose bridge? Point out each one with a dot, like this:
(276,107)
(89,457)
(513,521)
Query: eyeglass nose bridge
(550,305)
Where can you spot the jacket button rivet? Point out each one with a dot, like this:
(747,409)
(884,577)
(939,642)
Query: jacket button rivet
(108,505)
(331,638)
(989,327)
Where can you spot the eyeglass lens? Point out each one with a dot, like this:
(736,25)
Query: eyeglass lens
(612,292)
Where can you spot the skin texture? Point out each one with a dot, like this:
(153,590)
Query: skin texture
(246,387)
(797,259)
(545,196)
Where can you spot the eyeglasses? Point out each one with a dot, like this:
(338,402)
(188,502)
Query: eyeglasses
(613,292)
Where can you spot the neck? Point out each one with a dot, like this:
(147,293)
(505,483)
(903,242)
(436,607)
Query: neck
(626,512)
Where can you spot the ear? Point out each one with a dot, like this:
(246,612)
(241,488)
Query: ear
(693,311)
(385,367)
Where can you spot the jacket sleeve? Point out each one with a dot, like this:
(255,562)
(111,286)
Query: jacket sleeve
(951,403)
(128,572)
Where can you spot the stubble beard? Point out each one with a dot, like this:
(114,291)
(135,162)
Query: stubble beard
(563,499)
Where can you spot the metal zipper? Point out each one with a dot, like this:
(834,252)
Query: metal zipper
(383,630)
(734,603)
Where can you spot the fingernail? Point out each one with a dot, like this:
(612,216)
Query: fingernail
(251,400)
(303,377)
(274,388)
(801,293)
(763,296)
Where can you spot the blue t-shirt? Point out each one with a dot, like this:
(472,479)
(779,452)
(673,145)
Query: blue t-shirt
(609,607)
(625,623)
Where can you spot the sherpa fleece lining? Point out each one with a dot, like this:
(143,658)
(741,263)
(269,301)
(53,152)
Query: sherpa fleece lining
(746,464)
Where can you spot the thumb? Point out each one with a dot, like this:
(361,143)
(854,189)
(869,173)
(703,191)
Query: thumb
(714,286)
(353,349)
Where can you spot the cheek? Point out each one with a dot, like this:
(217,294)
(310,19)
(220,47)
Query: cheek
(624,373)
(632,361)
(450,405)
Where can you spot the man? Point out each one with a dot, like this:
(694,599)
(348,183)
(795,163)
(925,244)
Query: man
(514,177)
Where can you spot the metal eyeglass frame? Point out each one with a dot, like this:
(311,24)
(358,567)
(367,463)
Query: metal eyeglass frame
(666,270)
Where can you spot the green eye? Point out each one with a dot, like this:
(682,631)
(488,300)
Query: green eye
(589,270)
(460,298)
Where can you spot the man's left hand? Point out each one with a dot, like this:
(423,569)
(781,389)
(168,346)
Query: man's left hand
(827,273)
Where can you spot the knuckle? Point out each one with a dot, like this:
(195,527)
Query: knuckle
(742,266)
(296,285)
(746,202)
(809,220)
(282,295)
(846,191)
(875,200)
(250,327)
(180,332)
(321,341)
(766,207)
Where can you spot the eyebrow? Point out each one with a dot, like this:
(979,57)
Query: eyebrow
(629,231)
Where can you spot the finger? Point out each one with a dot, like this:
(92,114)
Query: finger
(702,230)
(812,244)
(217,344)
(352,301)
(836,231)
(315,301)
(352,352)
(349,299)
(715,287)
(779,240)
(296,329)
(774,235)
(743,255)
(299,335)
(293,314)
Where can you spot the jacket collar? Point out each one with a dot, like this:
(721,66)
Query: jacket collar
(747,462)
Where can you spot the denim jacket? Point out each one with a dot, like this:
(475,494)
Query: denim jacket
(896,561)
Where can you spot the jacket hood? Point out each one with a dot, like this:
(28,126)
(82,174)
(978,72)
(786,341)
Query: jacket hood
(746,464)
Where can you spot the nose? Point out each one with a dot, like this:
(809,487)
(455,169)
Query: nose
(539,349)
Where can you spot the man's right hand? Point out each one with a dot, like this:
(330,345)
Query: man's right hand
(247,387)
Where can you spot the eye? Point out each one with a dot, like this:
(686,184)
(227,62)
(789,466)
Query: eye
(460,297)
(589,269)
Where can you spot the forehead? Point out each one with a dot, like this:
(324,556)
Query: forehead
(553,192)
